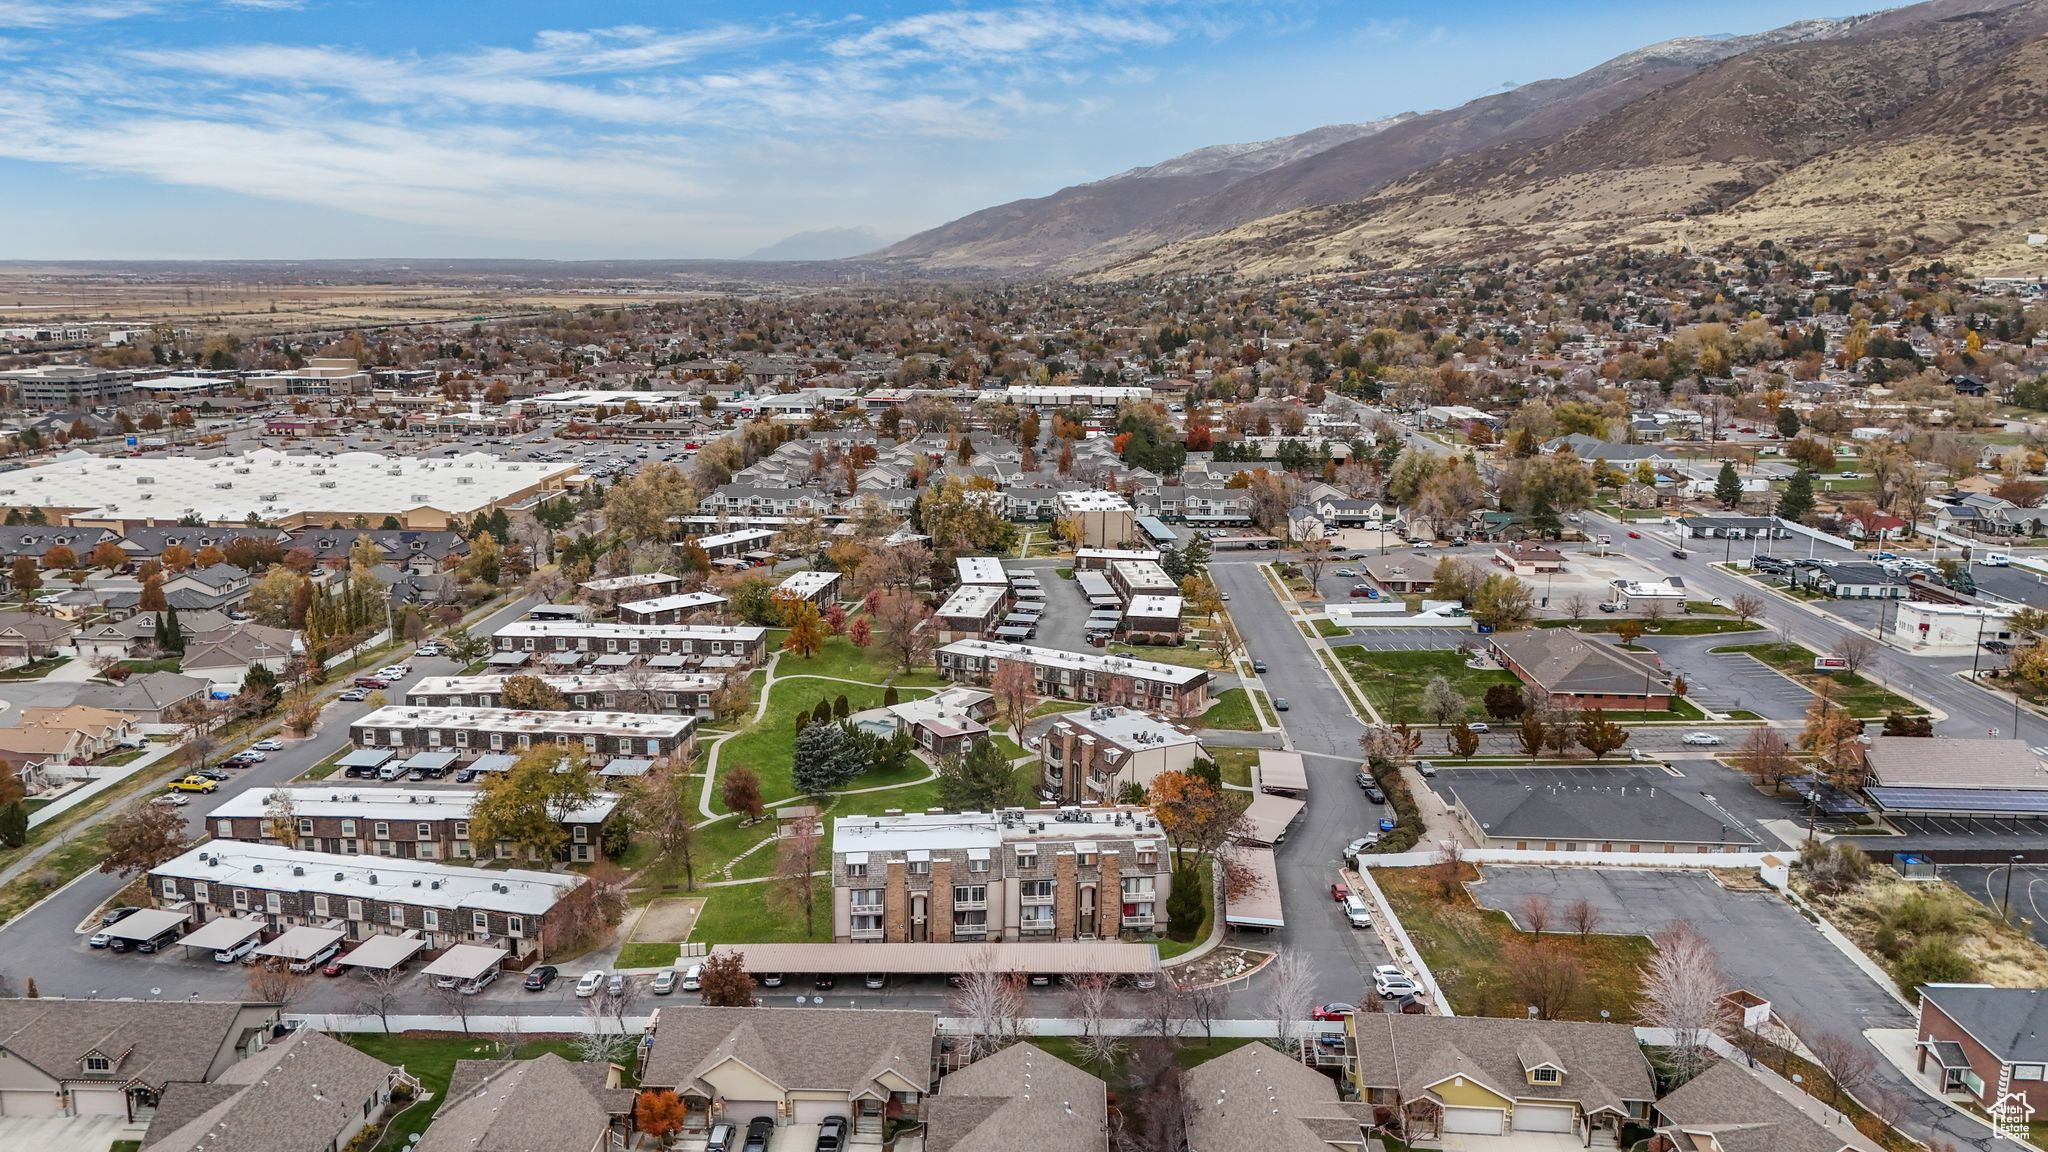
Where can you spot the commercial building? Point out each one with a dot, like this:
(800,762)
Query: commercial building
(1134,578)
(1929,629)
(1043,875)
(508,908)
(1951,776)
(1105,679)
(286,490)
(66,386)
(565,643)
(1104,519)
(1093,754)
(1576,670)
(624,690)
(472,732)
(407,823)
(1632,814)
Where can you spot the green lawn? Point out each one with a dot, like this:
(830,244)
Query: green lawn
(745,914)
(35,670)
(1860,696)
(1328,629)
(1468,949)
(1235,764)
(432,1060)
(119,758)
(640,954)
(1231,710)
(1680,626)
(841,660)
(766,747)
(1394,681)
(138,667)
(1053,707)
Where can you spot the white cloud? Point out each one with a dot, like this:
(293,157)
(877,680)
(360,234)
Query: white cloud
(48,14)
(968,37)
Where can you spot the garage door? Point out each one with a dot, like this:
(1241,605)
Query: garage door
(1539,1118)
(815,1111)
(1478,1121)
(738,1112)
(28,1103)
(99,1102)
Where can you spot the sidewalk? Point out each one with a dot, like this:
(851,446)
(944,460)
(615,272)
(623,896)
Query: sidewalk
(1898,1046)
(100,783)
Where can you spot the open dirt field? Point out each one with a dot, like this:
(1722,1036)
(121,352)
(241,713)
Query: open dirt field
(667,921)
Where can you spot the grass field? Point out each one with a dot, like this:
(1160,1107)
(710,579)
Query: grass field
(1186,655)
(1231,711)
(1394,681)
(767,747)
(641,954)
(1683,626)
(1235,764)
(746,914)
(1858,695)
(1328,629)
(432,1060)
(842,661)
(1471,950)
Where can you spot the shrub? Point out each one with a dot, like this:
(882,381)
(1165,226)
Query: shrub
(1184,905)
(1407,815)
(1834,866)
(1921,915)
(1935,961)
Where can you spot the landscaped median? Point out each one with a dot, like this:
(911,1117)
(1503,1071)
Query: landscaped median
(1862,698)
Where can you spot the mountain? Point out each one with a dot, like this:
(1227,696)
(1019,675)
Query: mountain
(1797,134)
(822,244)
(1068,227)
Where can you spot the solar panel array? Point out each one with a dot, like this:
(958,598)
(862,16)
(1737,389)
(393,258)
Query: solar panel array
(1982,801)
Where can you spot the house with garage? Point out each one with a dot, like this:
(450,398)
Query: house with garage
(1730,1109)
(28,636)
(522,1105)
(305,1093)
(1022,1099)
(793,1065)
(1427,1076)
(1255,1098)
(119,1057)
(151,698)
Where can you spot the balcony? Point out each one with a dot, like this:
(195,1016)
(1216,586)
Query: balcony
(1139,923)
(975,930)
(874,933)
(969,905)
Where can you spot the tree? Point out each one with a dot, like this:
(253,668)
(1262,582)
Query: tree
(171,633)
(824,758)
(24,576)
(906,623)
(280,823)
(1290,989)
(1503,602)
(379,994)
(274,596)
(1013,686)
(1583,916)
(1504,702)
(725,983)
(1829,732)
(1315,555)
(1453,579)
(531,693)
(1546,976)
(588,912)
(659,1113)
(1093,997)
(741,792)
(1534,912)
(107,555)
(526,804)
(980,781)
(143,837)
(1728,486)
(991,1000)
(1599,735)
(1442,703)
(1795,503)
(59,557)
(661,808)
(1747,606)
(1462,740)
(794,888)
(1854,652)
(1850,1062)
(273,982)
(1682,988)
(1197,818)
(807,635)
(1629,629)
(1532,733)
(13,824)
(1766,758)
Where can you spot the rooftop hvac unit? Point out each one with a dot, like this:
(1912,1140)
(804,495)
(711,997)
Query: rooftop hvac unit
(328,484)
(143,480)
(149,495)
(225,484)
(242,471)
(298,871)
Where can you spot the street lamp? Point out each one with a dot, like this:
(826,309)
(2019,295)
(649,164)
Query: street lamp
(2006,914)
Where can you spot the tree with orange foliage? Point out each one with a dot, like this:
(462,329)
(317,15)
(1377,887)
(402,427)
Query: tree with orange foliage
(1198,817)
(209,556)
(659,1113)
(108,555)
(176,558)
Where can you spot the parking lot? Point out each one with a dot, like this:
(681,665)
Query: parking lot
(1410,639)
(1727,681)
(1728,791)
(1986,884)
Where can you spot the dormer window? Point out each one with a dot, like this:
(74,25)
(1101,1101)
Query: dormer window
(1545,1075)
(98,1063)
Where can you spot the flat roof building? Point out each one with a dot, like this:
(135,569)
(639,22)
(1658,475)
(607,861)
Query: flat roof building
(813,586)
(601,689)
(1091,755)
(679,608)
(1631,815)
(707,646)
(981,570)
(972,611)
(1101,678)
(472,732)
(408,823)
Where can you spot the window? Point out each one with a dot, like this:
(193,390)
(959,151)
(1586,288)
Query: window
(170,888)
(969,894)
(1027,857)
(348,827)
(1034,891)
(381,830)
(856,870)
(241,894)
(1547,1075)
(319,905)
(2027,1072)
(355,909)
(515,926)
(199,893)
(305,827)
(1035,918)
(430,919)
(480,923)
(98,1063)
(225,829)
(920,867)
(977,864)
(397,916)
(424,831)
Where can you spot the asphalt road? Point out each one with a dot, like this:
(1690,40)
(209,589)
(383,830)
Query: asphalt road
(1764,946)
(45,942)
(1988,884)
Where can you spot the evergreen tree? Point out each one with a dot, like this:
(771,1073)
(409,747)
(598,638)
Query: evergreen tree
(1788,423)
(1796,503)
(173,639)
(1543,518)
(13,825)
(1728,486)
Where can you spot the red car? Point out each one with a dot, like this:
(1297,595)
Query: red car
(1332,1011)
(1635,535)
(1339,892)
(372,682)
(332,967)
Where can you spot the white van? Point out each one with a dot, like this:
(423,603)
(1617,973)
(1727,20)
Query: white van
(1356,911)
(317,958)
(230,955)
(1998,559)
(480,982)
(391,771)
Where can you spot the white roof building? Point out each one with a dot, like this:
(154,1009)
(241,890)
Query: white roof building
(981,570)
(1093,500)
(391,804)
(228,864)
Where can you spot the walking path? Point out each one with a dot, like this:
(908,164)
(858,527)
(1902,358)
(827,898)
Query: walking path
(98,784)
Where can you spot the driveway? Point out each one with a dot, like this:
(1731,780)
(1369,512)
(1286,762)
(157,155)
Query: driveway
(62,1133)
(1764,945)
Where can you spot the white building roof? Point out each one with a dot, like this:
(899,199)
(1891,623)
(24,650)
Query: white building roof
(273,868)
(1092,500)
(572,724)
(1154,607)
(1127,727)
(743,536)
(808,583)
(972,600)
(599,630)
(388,804)
(981,570)
(982,831)
(1142,574)
(628,583)
(1109,555)
(272,485)
(636,680)
(680,602)
(1078,661)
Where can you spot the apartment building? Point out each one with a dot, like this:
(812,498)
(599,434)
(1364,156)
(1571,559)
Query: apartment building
(406,823)
(735,545)
(567,642)
(445,904)
(67,386)
(1135,578)
(811,586)
(680,608)
(1155,617)
(1106,519)
(625,690)
(981,570)
(472,732)
(1095,677)
(1034,875)
(972,611)
(1088,756)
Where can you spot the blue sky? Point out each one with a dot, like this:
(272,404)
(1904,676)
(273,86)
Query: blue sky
(355,128)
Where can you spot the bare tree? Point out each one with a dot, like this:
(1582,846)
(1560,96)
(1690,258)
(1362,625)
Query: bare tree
(379,995)
(596,1044)
(620,1004)
(1289,996)
(1766,757)
(271,981)
(1447,871)
(1653,610)
(905,627)
(793,887)
(1748,607)
(1533,910)
(1682,989)
(1203,1005)
(1583,917)
(1093,997)
(1546,976)
(1854,652)
(1315,554)
(1012,686)
(991,1001)
(452,1002)
(1576,606)
(1850,1061)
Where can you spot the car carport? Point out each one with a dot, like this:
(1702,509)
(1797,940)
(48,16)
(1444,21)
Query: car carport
(429,763)
(1258,906)
(1281,772)
(370,758)
(147,924)
(383,953)
(1267,818)
(463,965)
(301,943)
(221,934)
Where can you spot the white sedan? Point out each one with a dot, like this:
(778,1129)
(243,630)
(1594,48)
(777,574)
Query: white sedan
(1702,739)
(590,984)
(268,746)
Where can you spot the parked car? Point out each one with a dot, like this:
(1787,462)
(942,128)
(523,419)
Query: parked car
(1335,1011)
(1609,606)
(616,986)
(333,967)
(1373,793)
(832,1134)
(171,800)
(1259,666)
(248,756)
(769,979)
(268,746)
(353,695)
(824,982)
(759,1130)
(590,984)
(1340,892)
(213,774)
(193,784)
(540,976)
(1356,911)
(876,981)
(1364,842)
(1425,767)
(665,981)
(372,682)
(1479,726)
(100,939)
(116,915)
(2001,647)
(1390,982)
(720,1139)
(1348,573)
(1700,739)
(1280,704)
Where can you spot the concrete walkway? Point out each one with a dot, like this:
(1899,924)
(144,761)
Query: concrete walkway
(98,784)
(1898,1047)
